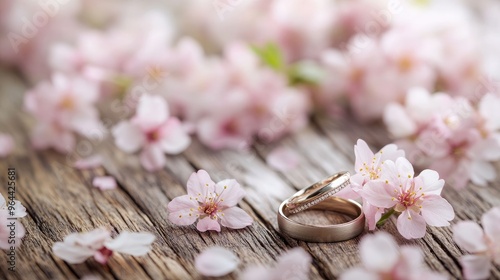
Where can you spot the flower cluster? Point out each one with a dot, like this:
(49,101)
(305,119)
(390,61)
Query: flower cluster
(457,138)
(387,184)
(153,131)
(382,258)
(78,247)
(483,244)
(216,85)
(362,45)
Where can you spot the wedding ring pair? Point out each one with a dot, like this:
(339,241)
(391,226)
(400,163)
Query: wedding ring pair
(319,196)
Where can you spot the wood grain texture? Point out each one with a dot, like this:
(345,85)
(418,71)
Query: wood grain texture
(61,200)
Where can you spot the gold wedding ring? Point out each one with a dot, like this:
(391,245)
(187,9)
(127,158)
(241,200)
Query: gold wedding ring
(319,196)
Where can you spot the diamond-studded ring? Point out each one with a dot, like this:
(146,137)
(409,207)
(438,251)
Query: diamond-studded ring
(318,192)
(319,196)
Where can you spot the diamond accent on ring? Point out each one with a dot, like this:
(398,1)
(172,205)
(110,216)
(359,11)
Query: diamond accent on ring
(320,199)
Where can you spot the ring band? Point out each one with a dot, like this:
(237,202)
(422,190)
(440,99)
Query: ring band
(318,198)
(317,192)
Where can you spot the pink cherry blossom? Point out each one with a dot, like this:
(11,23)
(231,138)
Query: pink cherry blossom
(382,258)
(418,198)
(88,163)
(482,243)
(216,262)
(293,264)
(210,204)
(104,182)
(61,107)
(449,135)
(78,247)
(257,101)
(368,168)
(153,131)
(6,145)
(7,224)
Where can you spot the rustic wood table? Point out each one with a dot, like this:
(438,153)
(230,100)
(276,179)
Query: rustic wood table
(60,200)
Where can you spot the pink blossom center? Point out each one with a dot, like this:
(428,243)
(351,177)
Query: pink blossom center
(153,136)
(209,208)
(106,252)
(370,171)
(231,127)
(405,63)
(67,102)
(459,150)
(408,199)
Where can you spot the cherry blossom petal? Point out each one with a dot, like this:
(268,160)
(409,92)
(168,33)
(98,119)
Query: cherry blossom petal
(488,107)
(182,210)
(379,252)
(411,225)
(72,254)
(49,136)
(104,183)
(230,192)
(482,172)
(372,214)
(405,168)
(491,225)
(208,223)
(6,145)
(475,266)
(152,158)
(152,111)
(294,264)
(88,163)
(253,272)
(431,181)
(391,152)
(132,243)
(93,239)
(469,236)
(359,273)
(77,247)
(175,139)
(379,194)
(437,211)
(283,159)
(199,183)
(363,154)
(235,218)
(487,149)
(398,122)
(128,137)
(216,262)
(86,122)
(348,193)
(20,209)
(390,172)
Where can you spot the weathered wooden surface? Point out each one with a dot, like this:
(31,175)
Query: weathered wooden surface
(61,200)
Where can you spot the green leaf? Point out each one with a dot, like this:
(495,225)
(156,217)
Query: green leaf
(271,55)
(305,72)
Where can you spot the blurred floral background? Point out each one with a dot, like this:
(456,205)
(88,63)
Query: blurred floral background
(155,74)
